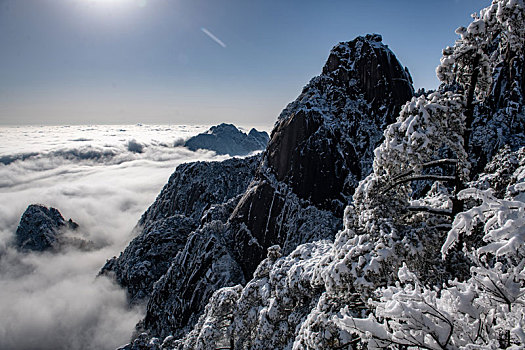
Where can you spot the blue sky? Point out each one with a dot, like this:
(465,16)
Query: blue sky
(149,61)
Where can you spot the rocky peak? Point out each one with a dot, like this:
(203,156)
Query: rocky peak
(261,136)
(40,228)
(365,65)
(227,139)
(322,143)
(321,146)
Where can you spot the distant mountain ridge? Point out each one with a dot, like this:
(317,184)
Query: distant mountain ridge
(228,139)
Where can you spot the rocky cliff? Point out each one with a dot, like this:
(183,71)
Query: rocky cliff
(321,146)
(194,190)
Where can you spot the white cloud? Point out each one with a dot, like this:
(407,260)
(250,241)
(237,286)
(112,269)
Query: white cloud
(54,301)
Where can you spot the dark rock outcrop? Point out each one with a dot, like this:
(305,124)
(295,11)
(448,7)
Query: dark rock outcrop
(323,142)
(204,265)
(149,255)
(321,146)
(500,119)
(43,228)
(192,190)
(210,260)
(227,139)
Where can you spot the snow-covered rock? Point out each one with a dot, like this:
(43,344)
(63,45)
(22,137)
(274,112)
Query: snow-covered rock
(227,139)
(42,228)
(492,126)
(320,147)
(165,227)
(205,264)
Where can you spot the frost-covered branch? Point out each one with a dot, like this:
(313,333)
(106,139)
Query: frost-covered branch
(437,211)
(433,163)
(419,177)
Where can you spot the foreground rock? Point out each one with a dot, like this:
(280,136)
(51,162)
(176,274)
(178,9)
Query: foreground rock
(227,139)
(43,228)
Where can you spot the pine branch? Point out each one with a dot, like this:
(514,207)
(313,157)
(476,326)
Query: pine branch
(446,212)
(419,177)
(443,161)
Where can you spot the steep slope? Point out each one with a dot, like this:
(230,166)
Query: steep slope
(164,228)
(500,120)
(320,147)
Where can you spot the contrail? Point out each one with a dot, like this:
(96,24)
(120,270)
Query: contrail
(213,37)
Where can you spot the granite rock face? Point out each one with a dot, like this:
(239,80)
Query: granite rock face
(149,255)
(210,260)
(192,190)
(323,142)
(227,139)
(321,146)
(41,228)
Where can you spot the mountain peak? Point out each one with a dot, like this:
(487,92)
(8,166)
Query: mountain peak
(228,139)
(366,65)
(40,228)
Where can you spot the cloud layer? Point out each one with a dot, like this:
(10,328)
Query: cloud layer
(103,177)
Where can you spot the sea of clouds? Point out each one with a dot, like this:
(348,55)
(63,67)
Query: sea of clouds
(104,178)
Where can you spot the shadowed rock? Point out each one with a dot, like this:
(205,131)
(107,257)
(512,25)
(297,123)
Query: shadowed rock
(194,191)
(321,146)
(43,228)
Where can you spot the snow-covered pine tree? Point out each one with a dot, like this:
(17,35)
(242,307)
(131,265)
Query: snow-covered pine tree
(486,310)
(496,34)
(430,126)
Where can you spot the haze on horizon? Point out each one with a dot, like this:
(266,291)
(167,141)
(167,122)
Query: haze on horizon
(199,61)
